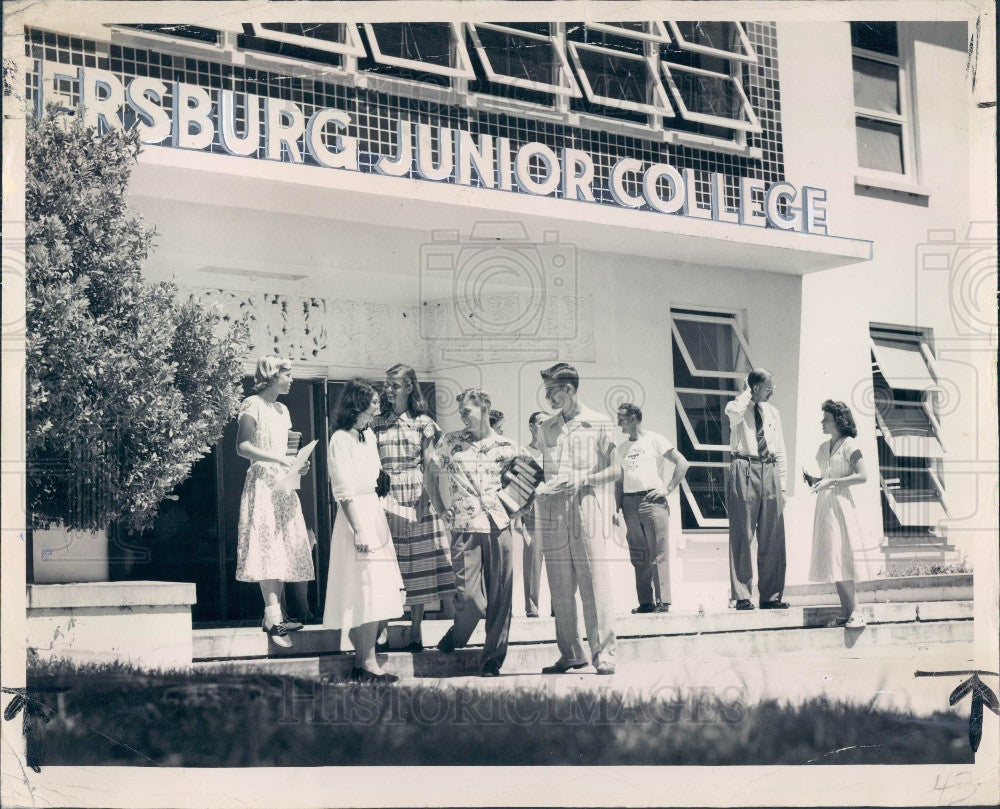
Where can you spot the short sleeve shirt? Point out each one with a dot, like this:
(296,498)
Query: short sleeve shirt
(573,448)
(472,470)
(641,461)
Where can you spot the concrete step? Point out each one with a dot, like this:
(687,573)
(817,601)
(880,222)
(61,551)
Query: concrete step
(936,587)
(646,638)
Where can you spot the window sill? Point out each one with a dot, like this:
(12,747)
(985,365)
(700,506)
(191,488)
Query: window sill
(892,184)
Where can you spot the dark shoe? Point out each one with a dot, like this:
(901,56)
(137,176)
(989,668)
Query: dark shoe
(359,675)
(605,669)
(413,647)
(644,608)
(385,677)
(278,635)
(290,625)
(561,668)
(491,670)
(744,604)
(773,605)
(447,643)
(663,608)
(531,615)
(305,620)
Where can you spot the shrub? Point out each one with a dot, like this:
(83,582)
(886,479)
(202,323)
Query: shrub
(127,384)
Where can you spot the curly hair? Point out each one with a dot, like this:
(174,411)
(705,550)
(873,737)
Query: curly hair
(268,369)
(631,410)
(843,419)
(476,396)
(355,398)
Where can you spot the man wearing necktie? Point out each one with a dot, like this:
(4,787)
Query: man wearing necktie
(755,494)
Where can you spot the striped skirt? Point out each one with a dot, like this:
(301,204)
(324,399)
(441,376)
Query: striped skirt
(423,549)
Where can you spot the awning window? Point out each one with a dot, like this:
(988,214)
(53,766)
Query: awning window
(710,98)
(720,38)
(712,346)
(904,364)
(620,80)
(339,38)
(430,47)
(655,31)
(525,59)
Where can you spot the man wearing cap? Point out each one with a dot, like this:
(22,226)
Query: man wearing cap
(755,494)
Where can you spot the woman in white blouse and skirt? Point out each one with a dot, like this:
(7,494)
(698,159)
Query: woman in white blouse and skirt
(273,545)
(837,535)
(364,585)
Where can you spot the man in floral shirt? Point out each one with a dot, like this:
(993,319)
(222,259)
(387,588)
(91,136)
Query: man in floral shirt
(464,483)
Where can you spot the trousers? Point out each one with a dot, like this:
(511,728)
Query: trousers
(647,528)
(754,502)
(574,543)
(484,580)
(532,563)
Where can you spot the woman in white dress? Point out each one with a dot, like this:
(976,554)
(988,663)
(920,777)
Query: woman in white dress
(273,546)
(836,530)
(364,586)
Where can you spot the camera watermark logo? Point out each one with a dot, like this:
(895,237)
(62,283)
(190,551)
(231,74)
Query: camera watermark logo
(498,285)
(960,272)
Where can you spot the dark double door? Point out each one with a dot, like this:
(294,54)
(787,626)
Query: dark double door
(195,535)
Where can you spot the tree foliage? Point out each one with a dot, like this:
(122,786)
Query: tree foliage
(128,382)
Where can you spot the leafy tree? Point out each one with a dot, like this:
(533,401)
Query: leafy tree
(128,383)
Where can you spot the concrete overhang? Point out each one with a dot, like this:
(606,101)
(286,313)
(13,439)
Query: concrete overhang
(270,187)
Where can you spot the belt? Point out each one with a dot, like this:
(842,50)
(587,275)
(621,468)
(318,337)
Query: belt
(638,494)
(738,456)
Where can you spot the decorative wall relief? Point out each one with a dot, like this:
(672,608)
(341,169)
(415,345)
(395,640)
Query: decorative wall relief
(352,334)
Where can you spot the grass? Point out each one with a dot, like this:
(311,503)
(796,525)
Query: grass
(114,715)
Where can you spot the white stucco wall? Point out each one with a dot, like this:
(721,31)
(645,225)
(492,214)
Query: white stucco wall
(838,305)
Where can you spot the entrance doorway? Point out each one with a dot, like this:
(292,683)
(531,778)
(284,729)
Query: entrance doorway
(194,536)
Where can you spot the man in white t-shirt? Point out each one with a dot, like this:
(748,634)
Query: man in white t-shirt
(638,467)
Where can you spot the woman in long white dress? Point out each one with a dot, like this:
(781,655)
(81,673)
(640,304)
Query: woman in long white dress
(273,546)
(837,535)
(364,586)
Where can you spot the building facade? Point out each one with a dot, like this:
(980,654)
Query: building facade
(663,204)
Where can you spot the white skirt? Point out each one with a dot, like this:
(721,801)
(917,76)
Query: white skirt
(838,541)
(362,588)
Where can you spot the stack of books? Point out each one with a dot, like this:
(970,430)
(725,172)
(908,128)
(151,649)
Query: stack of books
(520,479)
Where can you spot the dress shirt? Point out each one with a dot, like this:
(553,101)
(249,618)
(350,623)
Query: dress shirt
(574,448)
(472,483)
(743,431)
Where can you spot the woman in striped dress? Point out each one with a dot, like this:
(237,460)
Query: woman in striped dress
(406,435)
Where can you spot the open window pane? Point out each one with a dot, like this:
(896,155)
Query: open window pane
(909,431)
(431,47)
(619,80)
(880,145)
(710,98)
(913,497)
(704,489)
(876,85)
(903,364)
(703,417)
(650,31)
(716,38)
(339,38)
(712,347)
(523,59)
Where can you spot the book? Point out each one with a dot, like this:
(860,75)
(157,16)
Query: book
(520,478)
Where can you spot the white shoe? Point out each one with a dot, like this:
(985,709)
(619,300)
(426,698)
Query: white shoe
(856,622)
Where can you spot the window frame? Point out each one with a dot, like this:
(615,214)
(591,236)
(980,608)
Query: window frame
(460,55)
(749,56)
(656,32)
(352,45)
(751,125)
(734,318)
(925,454)
(905,118)
(654,86)
(570,89)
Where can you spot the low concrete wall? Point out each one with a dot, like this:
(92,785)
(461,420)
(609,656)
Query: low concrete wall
(939,587)
(144,623)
